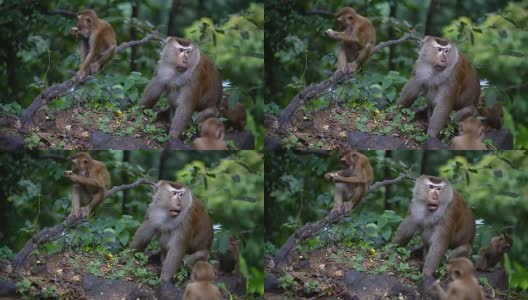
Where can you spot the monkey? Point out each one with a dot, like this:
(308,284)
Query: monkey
(91,182)
(442,217)
(211,136)
(463,285)
(182,224)
(201,286)
(236,116)
(447,79)
(352,182)
(228,260)
(97,43)
(470,138)
(191,82)
(489,256)
(493,115)
(357,39)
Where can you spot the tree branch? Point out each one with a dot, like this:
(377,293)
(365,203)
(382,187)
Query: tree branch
(310,230)
(314,90)
(58,90)
(49,234)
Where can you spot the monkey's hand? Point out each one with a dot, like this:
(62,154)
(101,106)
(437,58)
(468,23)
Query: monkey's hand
(331,33)
(328,176)
(80,75)
(336,178)
(75,31)
(68,173)
(94,68)
(85,212)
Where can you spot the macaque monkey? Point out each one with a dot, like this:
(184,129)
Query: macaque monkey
(191,82)
(442,217)
(470,138)
(211,136)
(447,79)
(494,253)
(97,44)
(91,181)
(236,116)
(357,39)
(229,260)
(352,182)
(182,224)
(463,285)
(493,115)
(201,286)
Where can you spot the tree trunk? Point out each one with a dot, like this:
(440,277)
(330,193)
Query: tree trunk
(392,34)
(12,62)
(430,15)
(171,27)
(133,34)
(124,178)
(162,163)
(386,175)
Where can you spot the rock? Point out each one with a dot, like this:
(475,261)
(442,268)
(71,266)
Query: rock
(370,286)
(271,143)
(498,278)
(434,143)
(271,284)
(167,291)
(7,289)
(365,141)
(11,142)
(104,141)
(177,144)
(502,138)
(244,140)
(99,288)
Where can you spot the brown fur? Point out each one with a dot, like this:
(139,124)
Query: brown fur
(352,182)
(451,223)
(211,136)
(470,138)
(91,182)
(494,253)
(463,285)
(188,232)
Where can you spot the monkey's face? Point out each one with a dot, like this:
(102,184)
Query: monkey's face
(434,189)
(212,128)
(80,166)
(348,159)
(347,18)
(438,52)
(459,267)
(502,243)
(202,271)
(181,54)
(84,25)
(171,197)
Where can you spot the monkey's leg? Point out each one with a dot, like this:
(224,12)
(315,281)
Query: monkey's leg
(405,232)
(76,200)
(410,92)
(102,59)
(339,196)
(440,291)
(152,92)
(462,251)
(173,261)
(182,115)
(85,181)
(341,57)
(96,199)
(363,54)
(435,254)
(83,50)
(210,112)
(143,236)
(199,255)
(465,112)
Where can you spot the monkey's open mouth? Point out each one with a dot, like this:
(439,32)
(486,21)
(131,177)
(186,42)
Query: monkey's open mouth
(174,212)
(432,206)
(181,69)
(439,68)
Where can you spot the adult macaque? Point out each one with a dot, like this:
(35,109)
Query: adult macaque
(494,253)
(182,224)
(447,79)
(228,260)
(201,286)
(357,39)
(463,285)
(211,136)
(352,182)
(97,44)
(445,221)
(91,181)
(190,80)
(470,138)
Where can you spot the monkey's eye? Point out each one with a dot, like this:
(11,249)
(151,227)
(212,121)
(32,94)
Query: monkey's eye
(85,161)
(174,193)
(430,186)
(439,49)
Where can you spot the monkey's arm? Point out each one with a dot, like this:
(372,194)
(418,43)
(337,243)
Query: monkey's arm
(410,92)
(173,259)
(405,231)
(442,295)
(143,235)
(152,92)
(183,114)
(436,251)
(90,182)
(440,113)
